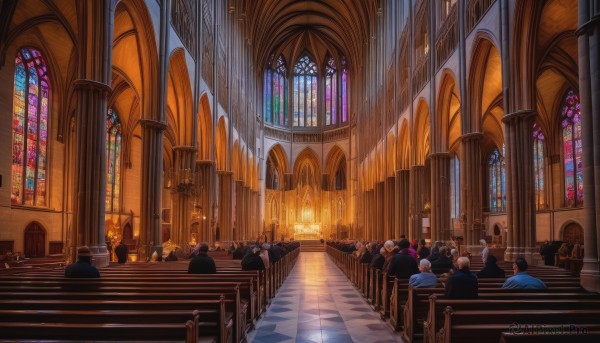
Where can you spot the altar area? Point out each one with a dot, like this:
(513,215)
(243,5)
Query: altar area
(307,231)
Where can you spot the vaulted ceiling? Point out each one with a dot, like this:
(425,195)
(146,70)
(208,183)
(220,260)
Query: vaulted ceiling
(318,27)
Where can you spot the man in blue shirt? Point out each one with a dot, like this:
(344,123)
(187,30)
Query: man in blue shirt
(425,278)
(522,279)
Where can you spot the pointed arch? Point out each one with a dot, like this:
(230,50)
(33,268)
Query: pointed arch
(421,133)
(335,168)
(403,146)
(448,119)
(235,161)
(221,142)
(205,139)
(179,96)
(390,160)
(307,159)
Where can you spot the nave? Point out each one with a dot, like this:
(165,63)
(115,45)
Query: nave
(317,303)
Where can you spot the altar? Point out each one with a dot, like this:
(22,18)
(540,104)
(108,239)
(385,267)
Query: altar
(307,231)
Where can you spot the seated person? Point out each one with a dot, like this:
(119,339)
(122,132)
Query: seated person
(491,269)
(522,279)
(462,284)
(83,268)
(425,278)
(443,264)
(252,260)
(202,263)
(403,265)
(422,250)
(378,259)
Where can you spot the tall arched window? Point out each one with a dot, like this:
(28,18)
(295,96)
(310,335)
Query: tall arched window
(344,93)
(113,161)
(330,93)
(305,93)
(538,167)
(30,129)
(497,181)
(573,150)
(276,95)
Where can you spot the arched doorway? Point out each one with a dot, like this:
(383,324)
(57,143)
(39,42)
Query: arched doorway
(573,233)
(35,240)
(127,232)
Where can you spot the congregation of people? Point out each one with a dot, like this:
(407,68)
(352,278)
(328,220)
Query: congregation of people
(439,264)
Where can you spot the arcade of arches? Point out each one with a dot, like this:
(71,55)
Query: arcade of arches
(183,121)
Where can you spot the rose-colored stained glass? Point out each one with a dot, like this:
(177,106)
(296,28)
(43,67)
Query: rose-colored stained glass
(113,161)
(538,167)
(572,150)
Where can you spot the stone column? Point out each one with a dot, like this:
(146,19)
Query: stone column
(389,217)
(371,206)
(402,202)
(92,90)
(239,209)
(440,196)
(248,234)
(416,188)
(379,213)
(520,206)
(183,194)
(470,187)
(152,166)
(205,176)
(589,89)
(225,214)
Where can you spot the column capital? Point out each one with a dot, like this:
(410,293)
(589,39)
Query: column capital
(475,136)
(185,148)
(204,163)
(93,85)
(585,27)
(224,172)
(151,123)
(521,114)
(439,154)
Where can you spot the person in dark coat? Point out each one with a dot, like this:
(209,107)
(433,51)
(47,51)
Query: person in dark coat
(378,259)
(121,251)
(443,264)
(252,260)
(83,268)
(462,284)
(202,263)
(240,251)
(491,269)
(422,250)
(403,265)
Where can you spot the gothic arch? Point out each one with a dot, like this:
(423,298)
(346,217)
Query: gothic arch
(221,144)
(421,133)
(35,240)
(204,129)
(448,119)
(179,97)
(390,160)
(403,146)
(235,161)
(336,159)
(307,156)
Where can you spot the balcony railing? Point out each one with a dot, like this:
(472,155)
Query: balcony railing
(421,75)
(476,10)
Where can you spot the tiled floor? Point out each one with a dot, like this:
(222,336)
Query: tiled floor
(317,303)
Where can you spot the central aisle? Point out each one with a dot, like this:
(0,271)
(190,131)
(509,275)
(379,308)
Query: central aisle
(317,303)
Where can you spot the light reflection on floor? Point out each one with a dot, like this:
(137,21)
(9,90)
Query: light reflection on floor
(317,303)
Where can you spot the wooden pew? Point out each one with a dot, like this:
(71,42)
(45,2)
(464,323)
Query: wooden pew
(488,325)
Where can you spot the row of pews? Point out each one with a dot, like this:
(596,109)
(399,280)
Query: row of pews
(140,301)
(507,315)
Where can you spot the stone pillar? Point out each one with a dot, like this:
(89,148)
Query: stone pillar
(370,206)
(520,206)
(402,202)
(183,194)
(225,205)
(92,90)
(589,89)
(416,188)
(379,213)
(440,196)
(239,210)
(470,188)
(248,234)
(389,217)
(205,176)
(152,165)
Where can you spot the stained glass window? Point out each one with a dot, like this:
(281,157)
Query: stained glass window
(330,92)
(30,129)
(276,94)
(538,167)
(454,187)
(113,161)
(305,93)
(344,92)
(497,181)
(572,150)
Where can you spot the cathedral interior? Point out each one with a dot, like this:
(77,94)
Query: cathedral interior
(179,121)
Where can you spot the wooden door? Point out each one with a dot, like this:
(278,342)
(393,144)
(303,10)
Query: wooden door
(35,240)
